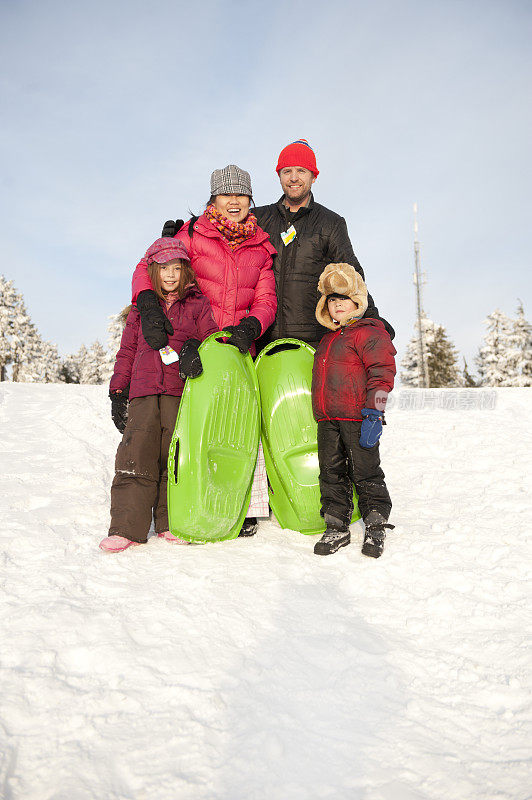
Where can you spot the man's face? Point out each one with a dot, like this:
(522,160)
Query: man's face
(297,183)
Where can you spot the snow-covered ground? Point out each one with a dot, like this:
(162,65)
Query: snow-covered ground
(252,668)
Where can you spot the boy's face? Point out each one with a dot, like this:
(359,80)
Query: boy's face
(341,308)
(170,274)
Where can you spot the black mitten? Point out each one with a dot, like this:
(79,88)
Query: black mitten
(156,327)
(171,227)
(190,365)
(119,398)
(244,334)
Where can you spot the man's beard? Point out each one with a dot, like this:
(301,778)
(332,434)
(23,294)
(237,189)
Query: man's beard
(298,199)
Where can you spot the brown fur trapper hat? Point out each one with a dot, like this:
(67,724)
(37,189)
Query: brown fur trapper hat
(340,279)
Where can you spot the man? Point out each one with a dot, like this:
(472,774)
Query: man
(307,237)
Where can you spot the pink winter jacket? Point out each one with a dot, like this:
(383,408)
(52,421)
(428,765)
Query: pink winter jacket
(237,282)
(141,367)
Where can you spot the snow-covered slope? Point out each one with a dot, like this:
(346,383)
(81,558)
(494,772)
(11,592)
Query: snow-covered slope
(252,668)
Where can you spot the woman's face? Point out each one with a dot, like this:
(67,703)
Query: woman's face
(233,206)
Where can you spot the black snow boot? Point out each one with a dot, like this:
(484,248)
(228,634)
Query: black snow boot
(375,534)
(250,527)
(336,535)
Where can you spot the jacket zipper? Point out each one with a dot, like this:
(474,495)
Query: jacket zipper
(287,261)
(324,359)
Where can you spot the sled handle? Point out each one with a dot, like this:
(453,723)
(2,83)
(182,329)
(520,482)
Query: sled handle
(219,336)
(280,345)
(173,460)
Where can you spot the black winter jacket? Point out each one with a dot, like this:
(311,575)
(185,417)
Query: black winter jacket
(321,239)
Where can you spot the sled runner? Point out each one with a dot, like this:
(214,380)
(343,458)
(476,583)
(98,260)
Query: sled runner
(289,435)
(214,446)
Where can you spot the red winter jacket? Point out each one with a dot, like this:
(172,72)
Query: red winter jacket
(237,282)
(354,368)
(140,366)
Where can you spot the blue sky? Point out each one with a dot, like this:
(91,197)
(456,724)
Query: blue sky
(116,113)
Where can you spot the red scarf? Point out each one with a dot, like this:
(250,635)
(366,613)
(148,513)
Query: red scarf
(233,232)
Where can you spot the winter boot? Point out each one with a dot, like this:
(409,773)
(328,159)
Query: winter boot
(375,534)
(250,527)
(169,537)
(115,544)
(336,535)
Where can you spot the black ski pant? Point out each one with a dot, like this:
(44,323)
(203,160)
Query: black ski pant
(141,471)
(344,463)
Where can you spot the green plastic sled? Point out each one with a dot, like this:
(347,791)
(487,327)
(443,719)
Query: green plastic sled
(214,446)
(289,435)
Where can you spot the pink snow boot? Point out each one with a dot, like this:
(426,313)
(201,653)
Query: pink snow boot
(169,537)
(115,544)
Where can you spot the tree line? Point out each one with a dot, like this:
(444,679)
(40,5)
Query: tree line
(26,357)
(504,358)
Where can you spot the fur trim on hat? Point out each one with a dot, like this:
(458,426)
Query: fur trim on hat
(340,279)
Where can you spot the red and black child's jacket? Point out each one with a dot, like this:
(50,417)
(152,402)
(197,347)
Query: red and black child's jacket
(354,368)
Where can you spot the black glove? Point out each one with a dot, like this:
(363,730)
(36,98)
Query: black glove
(155,324)
(244,334)
(119,398)
(171,227)
(190,365)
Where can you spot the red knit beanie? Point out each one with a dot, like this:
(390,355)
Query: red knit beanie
(298,154)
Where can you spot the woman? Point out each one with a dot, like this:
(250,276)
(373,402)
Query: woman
(232,259)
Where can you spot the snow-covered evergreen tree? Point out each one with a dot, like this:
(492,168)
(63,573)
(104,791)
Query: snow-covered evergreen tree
(14,322)
(440,356)
(467,379)
(115,330)
(69,371)
(520,350)
(21,347)
(493,360)
(443,360)
(411,372)
(36,361)
(92,363)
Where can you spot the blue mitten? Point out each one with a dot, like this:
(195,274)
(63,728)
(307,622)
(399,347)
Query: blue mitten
(371,428)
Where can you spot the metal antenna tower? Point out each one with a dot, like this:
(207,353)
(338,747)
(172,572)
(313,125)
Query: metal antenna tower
(423,367)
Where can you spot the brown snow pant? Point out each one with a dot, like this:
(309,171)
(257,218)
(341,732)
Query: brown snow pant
(139,485)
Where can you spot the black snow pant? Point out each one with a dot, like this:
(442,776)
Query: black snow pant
(343,462)
(141,471)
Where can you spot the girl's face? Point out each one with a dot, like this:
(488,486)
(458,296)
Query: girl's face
(170,274)
(341,308)
(233,206)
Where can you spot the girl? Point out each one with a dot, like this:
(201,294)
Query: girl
(232,258)
(154,387)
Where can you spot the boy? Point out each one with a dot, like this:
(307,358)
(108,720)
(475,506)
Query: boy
(353,372)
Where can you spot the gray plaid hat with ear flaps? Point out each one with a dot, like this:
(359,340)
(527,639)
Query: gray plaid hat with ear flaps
(231,180)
